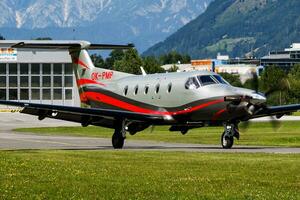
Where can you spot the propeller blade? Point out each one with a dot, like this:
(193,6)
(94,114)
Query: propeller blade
(244,126)
(152,129)
(276,124)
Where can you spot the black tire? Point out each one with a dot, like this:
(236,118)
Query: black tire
(227,142)
(117,141)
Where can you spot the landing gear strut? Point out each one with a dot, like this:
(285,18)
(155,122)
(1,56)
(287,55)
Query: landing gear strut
(230,132)
(119,135)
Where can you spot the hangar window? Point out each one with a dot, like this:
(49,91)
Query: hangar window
(68,81)
(2,81)
(57,94)
(24,68)
(13,81)
(24,81)
(46,94)
(192,83)
(68,69)
(46,81)
(24,94)
(57,68)
(35,68)
(125,92)
(35,81)
(13,94)
(169,87)
(146,89)
(157,88)
(68,94)
(136,90)
(206,80)
(57,81)
(3,94)
(35,94)
(2,69)
(46,68)
(13,68)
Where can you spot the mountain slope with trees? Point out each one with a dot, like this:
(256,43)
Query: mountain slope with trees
(236,27)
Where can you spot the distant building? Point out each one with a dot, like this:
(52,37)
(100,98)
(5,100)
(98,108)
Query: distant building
(221,65)
(37,76)
(285,59)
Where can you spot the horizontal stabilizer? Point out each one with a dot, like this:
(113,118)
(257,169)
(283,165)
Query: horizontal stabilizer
(68,45)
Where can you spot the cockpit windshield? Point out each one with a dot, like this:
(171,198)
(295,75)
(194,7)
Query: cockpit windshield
(221,80)
(206,80)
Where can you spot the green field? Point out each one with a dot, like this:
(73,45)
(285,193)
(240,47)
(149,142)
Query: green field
(147,175)
(288,134)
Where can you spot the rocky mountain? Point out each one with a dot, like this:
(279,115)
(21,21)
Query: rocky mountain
(142,22)
(237,27)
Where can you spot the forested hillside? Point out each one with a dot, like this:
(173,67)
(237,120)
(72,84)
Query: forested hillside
(237,27)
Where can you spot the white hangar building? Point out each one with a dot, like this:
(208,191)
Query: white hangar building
(37,76)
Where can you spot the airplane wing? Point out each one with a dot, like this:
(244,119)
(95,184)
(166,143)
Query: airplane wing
(85,116)
(277,111)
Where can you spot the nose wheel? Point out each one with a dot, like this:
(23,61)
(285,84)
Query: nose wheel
(227,138)
(227,141)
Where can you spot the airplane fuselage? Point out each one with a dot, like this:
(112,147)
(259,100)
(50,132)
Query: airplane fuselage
(171,94)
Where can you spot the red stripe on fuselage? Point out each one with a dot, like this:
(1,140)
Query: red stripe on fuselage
(79,62)
(218,114)
(88,81)
(126,106)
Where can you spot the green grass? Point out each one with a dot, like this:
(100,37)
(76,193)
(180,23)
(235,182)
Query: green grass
(257,134)
(147,175)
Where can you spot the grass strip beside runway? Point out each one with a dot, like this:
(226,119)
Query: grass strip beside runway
(147,175)
(259,133)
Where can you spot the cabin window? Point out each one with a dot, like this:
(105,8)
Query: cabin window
(125,90)
(157,88)
(136,90)
(169,87)
(192,83)
(146,89)
(221,80)
(206,80)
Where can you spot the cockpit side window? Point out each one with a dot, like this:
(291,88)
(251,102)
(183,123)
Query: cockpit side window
(206,80)
(221,80)
(192,83)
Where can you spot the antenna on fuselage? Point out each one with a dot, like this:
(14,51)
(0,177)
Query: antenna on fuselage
(143,71)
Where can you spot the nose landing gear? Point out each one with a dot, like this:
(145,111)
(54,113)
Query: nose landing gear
(230,132)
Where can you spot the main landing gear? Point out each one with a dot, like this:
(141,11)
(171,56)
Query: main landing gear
(119,135)
(230,132)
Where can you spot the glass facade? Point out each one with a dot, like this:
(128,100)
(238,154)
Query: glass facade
(34,81)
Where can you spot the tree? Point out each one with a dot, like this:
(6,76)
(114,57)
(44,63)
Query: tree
(174,68)
(130,63)
(115,55)
(151,65)
(1,37)
(98,60)
(275,85)
(234,80)
(294,81)
(173,58)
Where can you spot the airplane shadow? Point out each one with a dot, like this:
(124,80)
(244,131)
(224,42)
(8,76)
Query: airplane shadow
(153,148)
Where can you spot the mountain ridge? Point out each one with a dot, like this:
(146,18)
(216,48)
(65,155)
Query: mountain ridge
(236,28)
(136,21)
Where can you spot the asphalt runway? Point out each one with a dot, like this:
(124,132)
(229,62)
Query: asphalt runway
(10,140)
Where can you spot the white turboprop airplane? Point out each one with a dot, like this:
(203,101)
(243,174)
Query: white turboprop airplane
(131,103)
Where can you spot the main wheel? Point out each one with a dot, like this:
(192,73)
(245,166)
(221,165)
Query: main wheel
(227,141)
(118,140)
